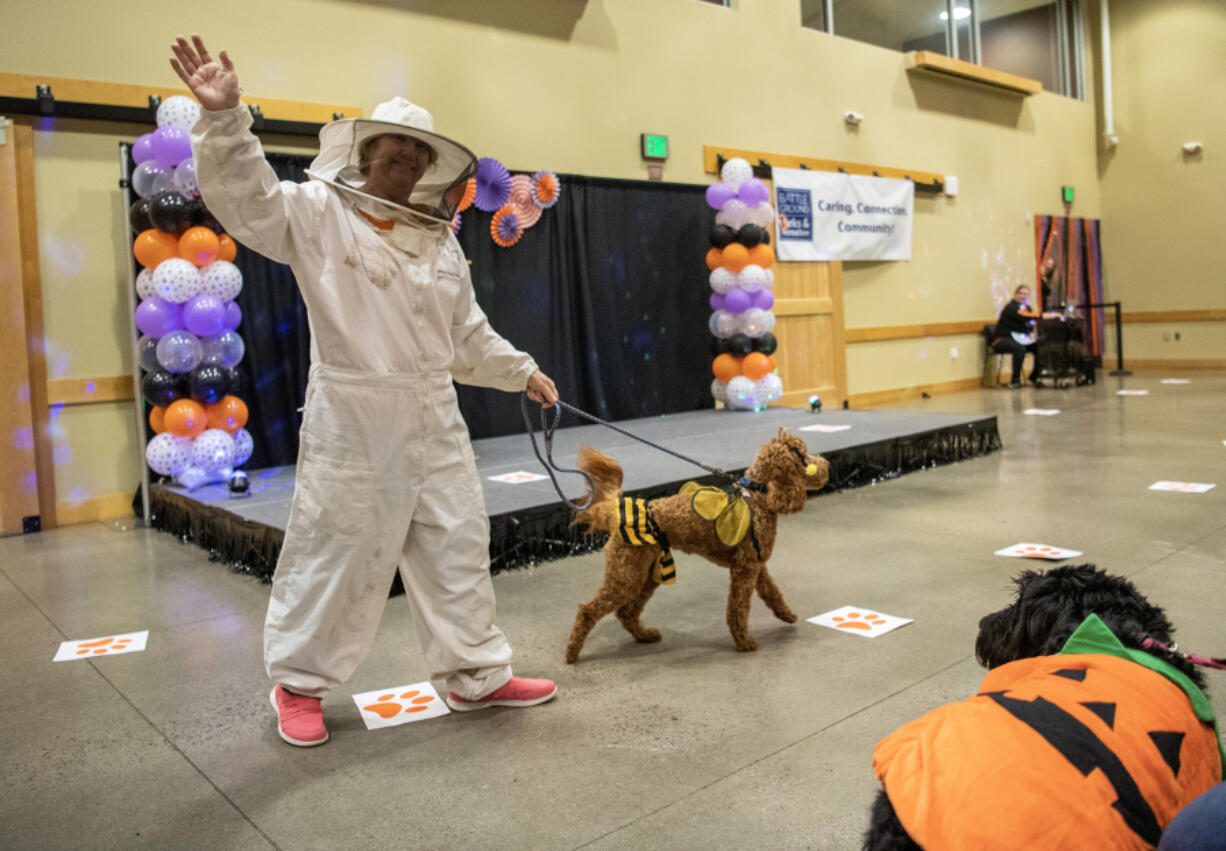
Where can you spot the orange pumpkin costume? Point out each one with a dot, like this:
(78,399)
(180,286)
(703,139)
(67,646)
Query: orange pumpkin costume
(1114,741)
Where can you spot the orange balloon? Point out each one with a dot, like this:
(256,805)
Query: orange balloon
(199,245)
(153,246)
(185,418)
(736,257)
(774,363)
(726,367)
(762,255)
(157,420)
(755,365)
(714,259)
(228,248)
(229,414)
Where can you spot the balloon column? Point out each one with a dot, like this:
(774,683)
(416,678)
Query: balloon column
(741,279)
(187,316)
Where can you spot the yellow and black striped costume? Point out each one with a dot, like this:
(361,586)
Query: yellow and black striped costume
(637,528)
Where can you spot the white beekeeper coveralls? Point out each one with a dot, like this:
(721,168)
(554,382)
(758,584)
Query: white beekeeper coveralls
(386,475)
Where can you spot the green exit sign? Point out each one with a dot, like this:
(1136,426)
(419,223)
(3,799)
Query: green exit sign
(1068,194)
(654,147)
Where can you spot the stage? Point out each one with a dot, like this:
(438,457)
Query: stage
(529,523)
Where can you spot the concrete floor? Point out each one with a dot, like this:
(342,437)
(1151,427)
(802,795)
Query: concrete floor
(678,745)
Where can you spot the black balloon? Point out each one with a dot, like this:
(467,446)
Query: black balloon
(766,344)
(199,215)
(740,345)
(210,383)
(722,235)
(169,211)
(138,215)
(161,387)
(751,235)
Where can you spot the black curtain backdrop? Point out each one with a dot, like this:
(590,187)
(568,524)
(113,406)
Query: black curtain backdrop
(608,292)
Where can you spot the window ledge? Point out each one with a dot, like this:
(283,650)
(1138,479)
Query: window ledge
(926,60)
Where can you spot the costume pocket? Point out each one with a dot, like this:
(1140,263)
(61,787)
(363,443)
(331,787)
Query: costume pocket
(333,498)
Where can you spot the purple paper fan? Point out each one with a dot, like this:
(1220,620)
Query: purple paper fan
(493,184)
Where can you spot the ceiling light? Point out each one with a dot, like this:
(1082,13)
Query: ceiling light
(960,13)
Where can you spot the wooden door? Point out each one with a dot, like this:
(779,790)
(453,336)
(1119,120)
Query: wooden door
(809,326)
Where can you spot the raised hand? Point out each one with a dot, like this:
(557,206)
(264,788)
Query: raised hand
(214,85)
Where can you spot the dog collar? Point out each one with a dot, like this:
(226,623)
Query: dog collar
(750,484)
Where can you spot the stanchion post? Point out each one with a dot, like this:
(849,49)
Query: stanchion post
(1119,343)
(124,183)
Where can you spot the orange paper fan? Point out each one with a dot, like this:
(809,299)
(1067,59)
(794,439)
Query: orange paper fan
(521,200)
(505,227)
(470,192)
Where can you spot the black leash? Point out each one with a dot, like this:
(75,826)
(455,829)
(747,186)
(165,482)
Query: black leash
(548,429)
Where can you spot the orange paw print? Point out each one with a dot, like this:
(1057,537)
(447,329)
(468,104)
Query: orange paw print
(103,646)
(1038,552)
(386,706)
(855,620)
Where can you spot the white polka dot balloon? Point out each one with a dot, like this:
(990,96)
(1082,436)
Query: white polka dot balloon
(763,215)
(740,394)
(772,384)
(167,455)
(735,214)
(144,284)
(212,450)
(770,279)
(244,445)
(176,280)
(178,111)
(751,278)
(719,391)
(222,279)
(722,280)
(755,322)
(735,172)
(723,324)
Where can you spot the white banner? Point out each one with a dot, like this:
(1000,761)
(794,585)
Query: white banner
(825,215)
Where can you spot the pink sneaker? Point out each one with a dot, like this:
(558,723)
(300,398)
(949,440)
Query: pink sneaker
(517,692)
(300,719)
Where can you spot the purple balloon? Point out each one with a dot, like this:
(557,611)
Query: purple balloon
(753,192)
(204,315)
(737,301)
(171,145)
(718,194)
(234,316)
(142,149)
(716,301)
(764,299)
(157,317)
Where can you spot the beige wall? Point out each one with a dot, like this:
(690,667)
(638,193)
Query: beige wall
(566,85)
(1162,227)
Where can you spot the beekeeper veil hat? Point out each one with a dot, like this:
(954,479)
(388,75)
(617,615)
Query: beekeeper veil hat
(434,197)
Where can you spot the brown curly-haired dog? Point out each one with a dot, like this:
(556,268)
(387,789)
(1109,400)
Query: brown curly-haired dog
(779,470)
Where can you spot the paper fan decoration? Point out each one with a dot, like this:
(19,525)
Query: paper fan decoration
(470,192)
(506,228)
(493,184)
(545,189)
(521,200)
(455,223)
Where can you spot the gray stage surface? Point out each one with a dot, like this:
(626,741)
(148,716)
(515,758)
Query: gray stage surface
(725,439)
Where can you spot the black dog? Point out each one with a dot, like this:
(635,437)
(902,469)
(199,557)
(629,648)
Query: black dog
(1048,608)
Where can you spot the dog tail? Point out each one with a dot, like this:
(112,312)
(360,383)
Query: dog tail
(606,475)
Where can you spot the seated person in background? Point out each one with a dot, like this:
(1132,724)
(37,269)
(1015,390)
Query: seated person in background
(1015,333)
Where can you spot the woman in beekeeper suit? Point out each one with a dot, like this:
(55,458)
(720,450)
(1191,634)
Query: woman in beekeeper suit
(386,475)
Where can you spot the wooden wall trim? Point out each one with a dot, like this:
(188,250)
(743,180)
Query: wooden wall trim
(927,60)
(84,391)
(907,332)
(711,154)
(122,94)
(1158,364)
(22,134)
(802,306)
(1210,315)
(899,394)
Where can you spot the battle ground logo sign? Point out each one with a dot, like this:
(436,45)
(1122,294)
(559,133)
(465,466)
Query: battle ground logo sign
(795,213)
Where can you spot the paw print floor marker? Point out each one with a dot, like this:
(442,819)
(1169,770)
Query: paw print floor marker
(1182,487)
(391,707)
(107,645)
(857,620)
(1043,551)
